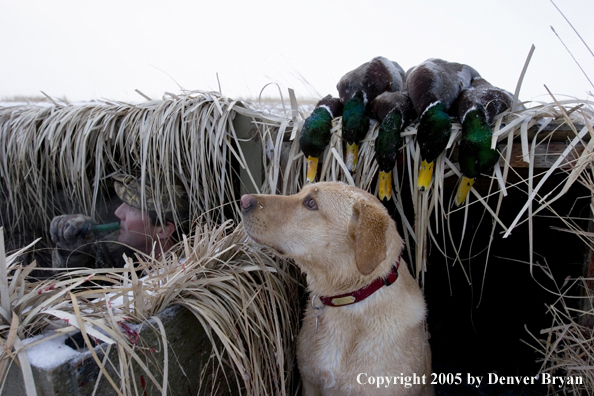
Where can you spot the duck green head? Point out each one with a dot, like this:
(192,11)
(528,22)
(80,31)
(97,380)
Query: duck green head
(475,155)
(386,149)
(433,134)
(387,140)
(316,132)
(315,136)
(355,125)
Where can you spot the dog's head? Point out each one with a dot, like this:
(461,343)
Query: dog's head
(325,227)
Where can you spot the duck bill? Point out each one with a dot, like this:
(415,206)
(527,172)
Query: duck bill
(352,153)
(385,186)
(463,189)
(425,175)
(312,168)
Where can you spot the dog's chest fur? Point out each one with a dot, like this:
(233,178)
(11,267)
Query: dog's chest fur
(331,357)
(327,352)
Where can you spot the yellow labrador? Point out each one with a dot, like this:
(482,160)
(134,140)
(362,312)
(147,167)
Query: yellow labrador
(364,327)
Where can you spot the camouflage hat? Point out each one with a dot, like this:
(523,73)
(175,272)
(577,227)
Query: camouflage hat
(129,189)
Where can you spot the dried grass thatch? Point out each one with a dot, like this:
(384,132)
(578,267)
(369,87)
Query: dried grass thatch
(568,349)
(66,154)
(59,157)
(244,299)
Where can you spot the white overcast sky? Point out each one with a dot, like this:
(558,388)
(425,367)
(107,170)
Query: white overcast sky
(87,50)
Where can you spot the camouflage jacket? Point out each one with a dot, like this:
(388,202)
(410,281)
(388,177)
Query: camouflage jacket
(103,253)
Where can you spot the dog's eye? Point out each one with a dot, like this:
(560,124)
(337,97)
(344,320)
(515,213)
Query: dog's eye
(310,204)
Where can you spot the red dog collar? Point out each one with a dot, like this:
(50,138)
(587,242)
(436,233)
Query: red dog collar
(363,293)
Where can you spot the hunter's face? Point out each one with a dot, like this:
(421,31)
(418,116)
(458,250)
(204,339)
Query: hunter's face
(135,228)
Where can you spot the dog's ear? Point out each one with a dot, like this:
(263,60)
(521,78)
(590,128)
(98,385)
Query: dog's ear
(368,228)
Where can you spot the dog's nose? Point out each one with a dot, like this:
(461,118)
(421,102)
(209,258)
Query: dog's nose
(247,203)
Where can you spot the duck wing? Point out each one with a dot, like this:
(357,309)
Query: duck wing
(333,105)
(372,78)
(436,80)
(494,100)
(388,101)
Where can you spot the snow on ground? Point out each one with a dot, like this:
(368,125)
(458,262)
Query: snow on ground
(51,353)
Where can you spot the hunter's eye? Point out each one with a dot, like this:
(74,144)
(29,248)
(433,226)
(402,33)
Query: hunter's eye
(310,204)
